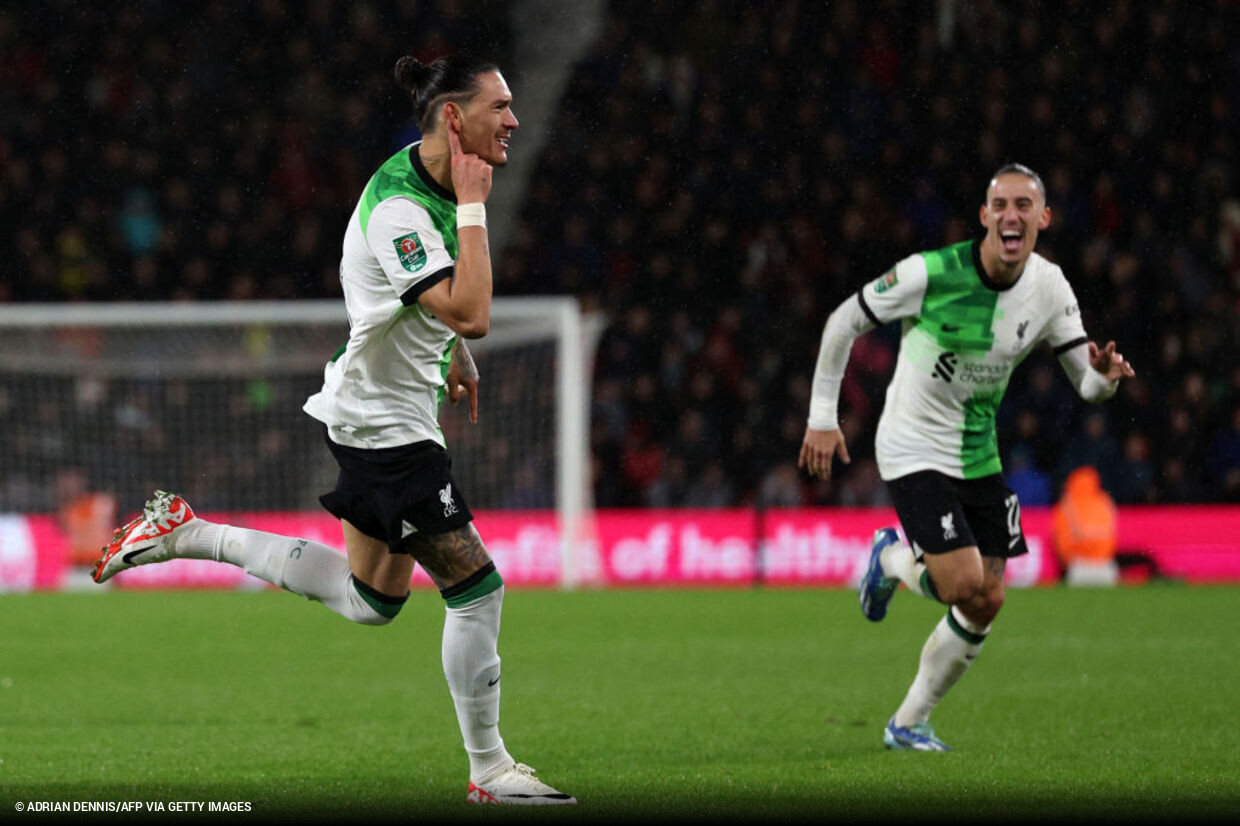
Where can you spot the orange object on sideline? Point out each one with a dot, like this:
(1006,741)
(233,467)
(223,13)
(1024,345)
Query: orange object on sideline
(1085,526)
(88,521)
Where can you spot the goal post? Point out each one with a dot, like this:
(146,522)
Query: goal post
(205,398)
(527,325)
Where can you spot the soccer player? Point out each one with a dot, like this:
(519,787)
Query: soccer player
(416,276)
(970,313)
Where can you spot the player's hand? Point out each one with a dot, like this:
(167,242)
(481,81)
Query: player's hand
(471,176)
(462,380)
(1109,362)
(818,449)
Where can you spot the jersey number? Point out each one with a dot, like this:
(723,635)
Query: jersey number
(1013,515)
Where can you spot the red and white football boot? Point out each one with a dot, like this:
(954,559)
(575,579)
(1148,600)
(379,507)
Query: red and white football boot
(516,786)
(147,538)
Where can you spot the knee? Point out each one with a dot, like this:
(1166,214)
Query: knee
(960,590)
(373,607)
(984,606)
(381,613)
(371,618)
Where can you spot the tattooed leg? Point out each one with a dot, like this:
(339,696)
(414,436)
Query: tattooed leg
(984,607)
(449,557)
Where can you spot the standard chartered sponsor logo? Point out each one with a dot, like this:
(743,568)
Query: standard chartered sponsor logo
(945,367)
(983,373)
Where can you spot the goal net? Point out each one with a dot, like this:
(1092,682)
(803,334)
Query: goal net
(104,403)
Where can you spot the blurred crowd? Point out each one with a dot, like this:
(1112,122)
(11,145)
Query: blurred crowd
(719,202)
(214,150)
(719,176)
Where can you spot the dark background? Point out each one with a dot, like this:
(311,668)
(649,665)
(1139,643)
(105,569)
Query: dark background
(718,177)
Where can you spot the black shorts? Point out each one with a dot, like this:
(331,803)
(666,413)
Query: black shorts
(386,491)
(940,514)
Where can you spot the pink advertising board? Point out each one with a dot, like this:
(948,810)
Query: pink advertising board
(1198,543)
(807,547)
(674,547)
(34,554)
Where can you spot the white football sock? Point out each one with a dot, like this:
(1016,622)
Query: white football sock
(308,569)
(898,560)
(471,665)
(947,654)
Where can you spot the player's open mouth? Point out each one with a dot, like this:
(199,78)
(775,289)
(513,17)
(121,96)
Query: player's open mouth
(1011,240)
(502,142)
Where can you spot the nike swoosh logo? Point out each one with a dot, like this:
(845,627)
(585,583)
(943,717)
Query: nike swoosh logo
(128,558)
(1012,542)
(492,682)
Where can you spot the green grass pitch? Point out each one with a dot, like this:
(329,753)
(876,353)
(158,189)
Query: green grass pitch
(654,704)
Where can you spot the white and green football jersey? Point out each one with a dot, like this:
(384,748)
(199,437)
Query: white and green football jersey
(962,336)
(383,388)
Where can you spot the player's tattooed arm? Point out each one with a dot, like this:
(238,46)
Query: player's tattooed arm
(465,360)
(462,378)
(449,557)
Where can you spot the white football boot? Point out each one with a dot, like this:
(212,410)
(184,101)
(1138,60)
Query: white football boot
(147,538)
(517,786)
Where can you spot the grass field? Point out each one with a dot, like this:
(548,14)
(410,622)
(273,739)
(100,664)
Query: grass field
(1118,704)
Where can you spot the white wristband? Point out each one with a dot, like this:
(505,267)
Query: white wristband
(471,215)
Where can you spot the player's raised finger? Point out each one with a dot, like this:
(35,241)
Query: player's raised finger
(1125,368)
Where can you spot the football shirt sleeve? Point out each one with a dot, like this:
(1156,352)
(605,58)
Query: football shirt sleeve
(841,330)
(1066,335)
(1065,330)
(408,247)
(1090,385)
(897,293)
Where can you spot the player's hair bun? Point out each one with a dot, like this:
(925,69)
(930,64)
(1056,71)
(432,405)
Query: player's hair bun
(427,83)
(411,73)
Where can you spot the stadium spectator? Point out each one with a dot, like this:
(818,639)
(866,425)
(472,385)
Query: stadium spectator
(1091,445)
(1134,474)
(1223,458)
(1085,529)
(1031,485)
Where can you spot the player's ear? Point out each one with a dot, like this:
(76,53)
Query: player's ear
(452,114)
(1045,220)
(982,213)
